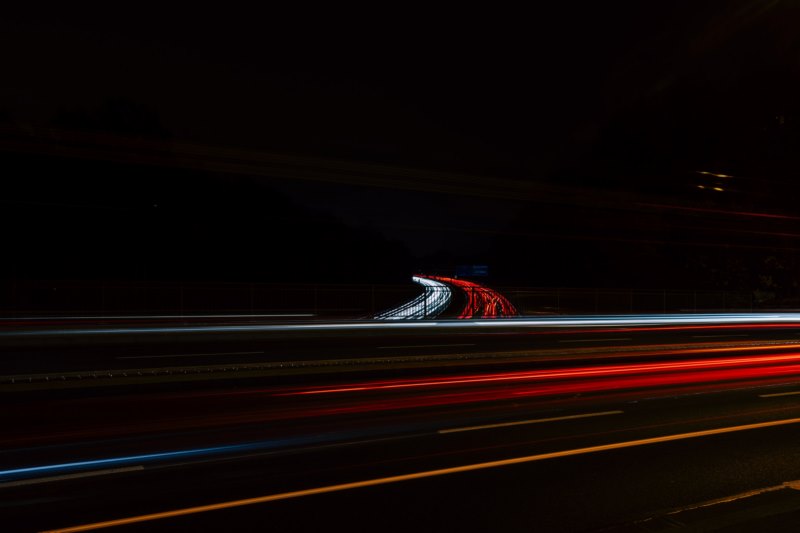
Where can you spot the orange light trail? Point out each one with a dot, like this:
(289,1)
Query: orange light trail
(421,475)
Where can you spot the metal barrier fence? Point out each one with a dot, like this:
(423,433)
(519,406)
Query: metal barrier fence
(24,298)
(122,298)
(605,301)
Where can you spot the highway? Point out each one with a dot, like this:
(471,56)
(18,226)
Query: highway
(431,303)
(73,350)
(561,424)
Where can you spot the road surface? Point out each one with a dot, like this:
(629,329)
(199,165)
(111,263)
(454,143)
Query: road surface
(571,425)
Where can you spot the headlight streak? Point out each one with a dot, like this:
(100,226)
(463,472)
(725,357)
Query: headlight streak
(17,473)
(400,431)
(430,304)
(745,320)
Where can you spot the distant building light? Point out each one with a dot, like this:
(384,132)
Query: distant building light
(701,186)
(718,189)
(716,175)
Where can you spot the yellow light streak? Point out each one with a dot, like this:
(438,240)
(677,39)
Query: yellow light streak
(715,174)
(419,475)
(777,394)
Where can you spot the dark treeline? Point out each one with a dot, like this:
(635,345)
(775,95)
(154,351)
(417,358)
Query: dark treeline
(68,218)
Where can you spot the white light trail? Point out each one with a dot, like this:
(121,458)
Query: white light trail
(429,304)
(543,322)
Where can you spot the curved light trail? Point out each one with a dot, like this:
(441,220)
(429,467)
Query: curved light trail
(430,304)
(480,301)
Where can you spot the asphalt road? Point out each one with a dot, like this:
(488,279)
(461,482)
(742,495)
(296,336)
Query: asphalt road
(617,435)
(584,490)
(69,350)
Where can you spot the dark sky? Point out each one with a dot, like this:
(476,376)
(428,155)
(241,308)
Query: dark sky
(489,90)
(617,97)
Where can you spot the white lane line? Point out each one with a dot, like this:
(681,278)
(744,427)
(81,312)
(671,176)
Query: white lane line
(327,489)
(424,346)
(185,355)
(38,480)
(735,497)
(776,394)
(524,422)
(716,336)
(633,320)
(596,340)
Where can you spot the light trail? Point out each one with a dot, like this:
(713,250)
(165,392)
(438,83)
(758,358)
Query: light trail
(445,394)
(709,378)
(65,477)
(763,363)
(65,470)
(422,475)
(742,320)
(58,468)
(480,301)
(430,304)
(597,340)
(779,394)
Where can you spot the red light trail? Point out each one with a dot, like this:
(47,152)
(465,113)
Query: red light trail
(481,302)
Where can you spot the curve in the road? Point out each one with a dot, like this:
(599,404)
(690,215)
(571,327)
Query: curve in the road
(430,304)
(481,301)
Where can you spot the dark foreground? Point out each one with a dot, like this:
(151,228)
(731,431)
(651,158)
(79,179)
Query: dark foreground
(645,434)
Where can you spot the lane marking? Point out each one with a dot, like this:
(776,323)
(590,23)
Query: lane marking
(524,422)
(185,355)
(716,336)
(424,346)
(597,340)
(50,479)
(735,497)
(418,475)
(776,394)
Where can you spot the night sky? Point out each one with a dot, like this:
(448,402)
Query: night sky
(580,127)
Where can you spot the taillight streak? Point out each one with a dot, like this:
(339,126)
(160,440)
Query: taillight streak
(565,373)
